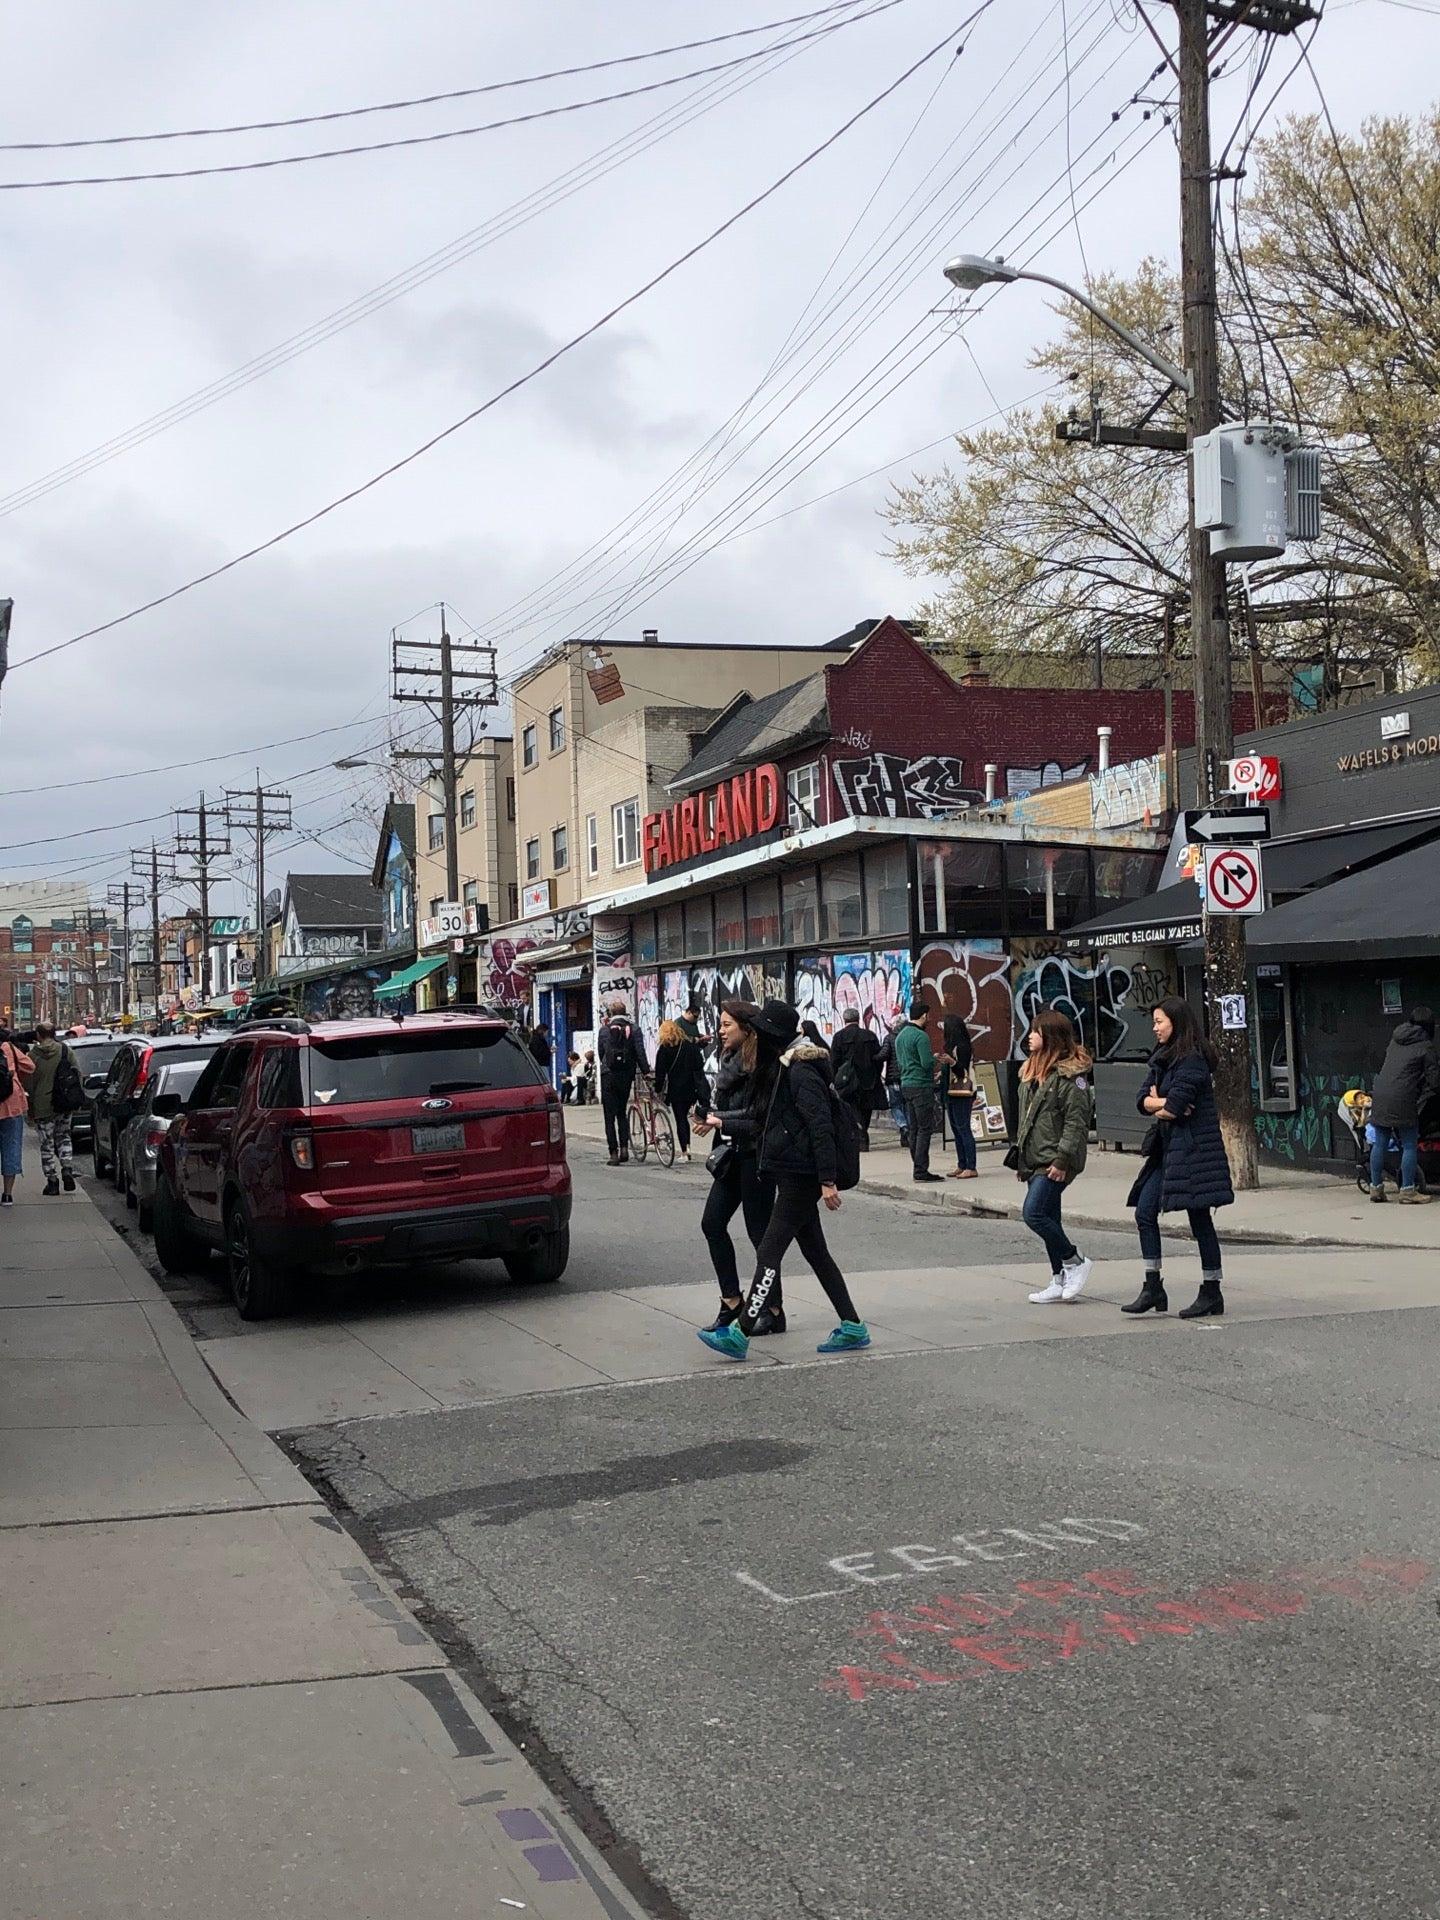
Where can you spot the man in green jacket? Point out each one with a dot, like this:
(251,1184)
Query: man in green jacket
(57,1160)
(915,1058)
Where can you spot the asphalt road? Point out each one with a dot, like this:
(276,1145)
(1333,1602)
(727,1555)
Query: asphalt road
(1136,1625)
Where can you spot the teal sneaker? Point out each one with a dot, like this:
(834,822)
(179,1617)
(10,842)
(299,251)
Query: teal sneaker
(729,1341)
(849,1337)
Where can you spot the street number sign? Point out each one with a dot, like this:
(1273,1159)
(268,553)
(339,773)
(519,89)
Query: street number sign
(1227,826)
(1234,880)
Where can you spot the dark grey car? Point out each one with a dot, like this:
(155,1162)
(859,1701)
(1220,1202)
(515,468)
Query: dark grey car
(164,1096)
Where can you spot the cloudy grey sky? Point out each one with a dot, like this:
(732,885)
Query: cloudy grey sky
(122,301)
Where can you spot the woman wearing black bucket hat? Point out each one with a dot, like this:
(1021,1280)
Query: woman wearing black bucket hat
(797,1148)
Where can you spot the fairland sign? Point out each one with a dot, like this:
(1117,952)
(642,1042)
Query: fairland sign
(722,816)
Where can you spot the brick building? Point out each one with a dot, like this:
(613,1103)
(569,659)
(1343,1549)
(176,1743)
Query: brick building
(57,969)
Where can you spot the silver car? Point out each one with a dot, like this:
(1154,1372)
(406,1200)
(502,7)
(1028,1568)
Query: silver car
(166,1094)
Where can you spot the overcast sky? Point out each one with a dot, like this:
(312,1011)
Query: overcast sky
(121,301)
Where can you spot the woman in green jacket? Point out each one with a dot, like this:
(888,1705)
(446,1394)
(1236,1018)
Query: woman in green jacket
(1056,1113)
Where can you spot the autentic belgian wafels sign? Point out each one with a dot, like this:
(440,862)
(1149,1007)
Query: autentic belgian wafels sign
(721,816)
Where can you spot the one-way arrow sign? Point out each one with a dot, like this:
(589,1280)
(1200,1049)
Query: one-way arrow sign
(1215,826)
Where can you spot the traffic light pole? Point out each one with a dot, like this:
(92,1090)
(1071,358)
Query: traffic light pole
(1225,959)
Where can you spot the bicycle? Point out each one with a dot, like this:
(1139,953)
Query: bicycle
(651,1126)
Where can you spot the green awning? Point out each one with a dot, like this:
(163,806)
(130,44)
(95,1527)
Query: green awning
(421,970)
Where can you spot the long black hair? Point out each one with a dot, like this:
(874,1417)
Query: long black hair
(1187,1036)
(954,1033)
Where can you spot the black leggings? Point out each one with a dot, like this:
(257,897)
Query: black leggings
(796,1217)
(681,1111)
(741,1186)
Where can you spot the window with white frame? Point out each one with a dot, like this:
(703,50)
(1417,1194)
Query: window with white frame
(467,807)
(437,831)
(592,844)
(626,822)
(560,848)
(557,729)
(532,859)
(802,786)
(529,746)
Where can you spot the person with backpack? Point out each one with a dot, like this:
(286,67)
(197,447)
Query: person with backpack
(16,1071)
(855,1057)
(1051,1142)
(621,1055)
(1185,1163)
(810,1145)
(57,1092)
(741,1100)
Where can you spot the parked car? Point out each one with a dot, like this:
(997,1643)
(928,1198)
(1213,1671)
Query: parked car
(139,1155)
(351,1144)
(136,1058)
(94,1053)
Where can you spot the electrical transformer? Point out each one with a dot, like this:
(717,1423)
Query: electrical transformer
(1255,491)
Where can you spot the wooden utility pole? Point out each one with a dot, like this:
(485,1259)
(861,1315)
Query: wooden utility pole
(203,846)
(1225,965)
(259,810)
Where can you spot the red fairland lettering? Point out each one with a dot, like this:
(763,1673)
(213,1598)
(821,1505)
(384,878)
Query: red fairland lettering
(686,835)
(707,831)
(767,798)
(722,815)
(742,804)
(667,838)
(650,841)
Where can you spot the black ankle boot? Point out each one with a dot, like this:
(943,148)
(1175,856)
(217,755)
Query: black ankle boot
(52,1186)
(67,1180)
(726,1316)
(769,1320)
(1150,1299)
(1210,1301)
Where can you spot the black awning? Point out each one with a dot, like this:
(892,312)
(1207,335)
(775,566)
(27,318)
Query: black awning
(1390,911)
(1161,919)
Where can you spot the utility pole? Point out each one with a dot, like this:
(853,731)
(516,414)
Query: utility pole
(125,896)
(1209,614)
(204,846)
(154,864)
(463,677)
(259,810)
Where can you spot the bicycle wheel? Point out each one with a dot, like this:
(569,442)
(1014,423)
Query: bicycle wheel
(639,1132)
(664,1137)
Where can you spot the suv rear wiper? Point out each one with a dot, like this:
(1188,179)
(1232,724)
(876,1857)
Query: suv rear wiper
(460,1086)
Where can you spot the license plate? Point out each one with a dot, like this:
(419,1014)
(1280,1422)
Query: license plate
(450,1139)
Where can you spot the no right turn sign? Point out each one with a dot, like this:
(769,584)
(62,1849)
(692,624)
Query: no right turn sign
(1234,880)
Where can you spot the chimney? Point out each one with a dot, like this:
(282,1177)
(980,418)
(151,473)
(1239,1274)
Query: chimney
(1104,733)
(992,774)
(650,636)
(975,674)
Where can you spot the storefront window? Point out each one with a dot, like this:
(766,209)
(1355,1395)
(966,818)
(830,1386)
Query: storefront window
(1274,1040)
(730,921)
(762,913)
(1123,876)
(799,909)
(642,939)
(672,933)
(960,886)
(887,889)
(700,927)
(842,912)
(1047,888)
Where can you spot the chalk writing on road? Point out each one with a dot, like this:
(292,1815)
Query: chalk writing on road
(875,1566)
(959,1637)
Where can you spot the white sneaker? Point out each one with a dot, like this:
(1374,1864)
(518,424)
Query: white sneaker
(1048,1295)
(1072,1281)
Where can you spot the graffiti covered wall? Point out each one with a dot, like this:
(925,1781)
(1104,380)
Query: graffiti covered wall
(815,990)
(876,985)
(1109,996)
(499,981)
(971,978)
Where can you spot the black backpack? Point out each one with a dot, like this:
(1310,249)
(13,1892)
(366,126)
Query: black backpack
(67,1093)
(7,1078)
(847,1142)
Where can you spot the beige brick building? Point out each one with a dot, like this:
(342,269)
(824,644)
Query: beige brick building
(622,774)
(485,808)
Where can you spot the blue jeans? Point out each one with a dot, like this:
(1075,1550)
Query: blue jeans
(12,1141)
(959,1107)
(1147,1224)
(1409,1138)
(1041,1214)
(895,1098)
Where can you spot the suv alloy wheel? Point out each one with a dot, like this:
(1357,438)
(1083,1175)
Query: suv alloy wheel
(258,1286)
(176,1247)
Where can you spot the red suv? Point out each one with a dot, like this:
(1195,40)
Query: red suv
(342,1144)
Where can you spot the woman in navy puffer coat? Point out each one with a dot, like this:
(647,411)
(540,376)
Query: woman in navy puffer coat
(1185,1164)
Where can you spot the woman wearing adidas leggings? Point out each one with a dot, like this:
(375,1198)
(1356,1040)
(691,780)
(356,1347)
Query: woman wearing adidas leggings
(797,1147)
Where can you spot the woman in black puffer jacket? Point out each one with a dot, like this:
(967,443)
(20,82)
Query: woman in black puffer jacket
(743,1084)
(1185,1163)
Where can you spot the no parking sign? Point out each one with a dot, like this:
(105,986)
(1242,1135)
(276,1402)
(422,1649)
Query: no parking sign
(1234,880)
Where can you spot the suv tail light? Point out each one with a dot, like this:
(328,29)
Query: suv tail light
(142,1075)
(154,1134)
(302,1151)
(557,1125)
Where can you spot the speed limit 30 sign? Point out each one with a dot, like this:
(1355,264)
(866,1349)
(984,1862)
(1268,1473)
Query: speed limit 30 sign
(1234,880)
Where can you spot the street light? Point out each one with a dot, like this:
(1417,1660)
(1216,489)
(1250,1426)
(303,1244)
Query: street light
(971,271)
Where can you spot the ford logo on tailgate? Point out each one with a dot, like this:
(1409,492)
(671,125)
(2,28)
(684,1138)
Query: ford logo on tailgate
(437,1106)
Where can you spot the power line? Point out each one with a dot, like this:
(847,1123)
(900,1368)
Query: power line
(522,380)
(426,99)
(432,139)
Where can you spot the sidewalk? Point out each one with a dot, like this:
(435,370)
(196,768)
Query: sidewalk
(1290,1209)
(210,1703)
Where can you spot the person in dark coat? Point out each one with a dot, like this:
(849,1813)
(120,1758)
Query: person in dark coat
(680,1079)
(743,1085)
(957,1057)
(797,1147)
(622,1055)
(855,1058)
(1185,1166)
(1408,1079)
(539,1044)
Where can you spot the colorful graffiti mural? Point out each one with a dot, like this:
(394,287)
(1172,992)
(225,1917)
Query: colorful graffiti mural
(971,978)
(815,990)
(1109,997)
(876,985)
(647,1012)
